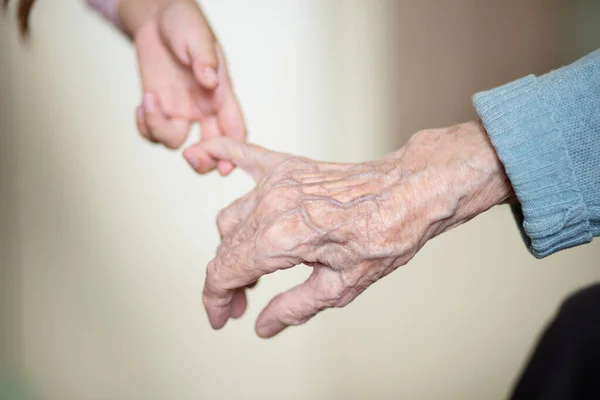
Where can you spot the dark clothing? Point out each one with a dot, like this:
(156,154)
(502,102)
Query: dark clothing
(566,362)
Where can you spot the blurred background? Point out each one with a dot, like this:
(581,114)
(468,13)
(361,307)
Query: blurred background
(104,238)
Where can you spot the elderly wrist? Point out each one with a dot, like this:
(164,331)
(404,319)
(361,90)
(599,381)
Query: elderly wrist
(479,179)
(455,173)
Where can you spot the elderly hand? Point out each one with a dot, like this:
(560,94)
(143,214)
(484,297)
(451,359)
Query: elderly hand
(184,78)
(352,223)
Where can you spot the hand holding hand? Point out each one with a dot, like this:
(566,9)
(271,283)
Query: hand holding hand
(185,80)
(352,223)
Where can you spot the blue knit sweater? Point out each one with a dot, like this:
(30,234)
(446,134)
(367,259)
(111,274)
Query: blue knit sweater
(546,131)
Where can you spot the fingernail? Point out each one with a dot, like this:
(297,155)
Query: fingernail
(191,160)
(211,75)
(140,121)
(149,102)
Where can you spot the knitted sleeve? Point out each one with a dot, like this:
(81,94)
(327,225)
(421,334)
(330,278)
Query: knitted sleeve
(546,131)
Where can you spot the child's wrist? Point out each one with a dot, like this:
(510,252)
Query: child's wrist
(130,15)
(134,13)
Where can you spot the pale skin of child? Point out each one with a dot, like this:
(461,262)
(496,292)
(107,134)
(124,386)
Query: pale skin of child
(352,223)
(184,78)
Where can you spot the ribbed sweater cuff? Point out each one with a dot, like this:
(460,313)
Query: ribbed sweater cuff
(531,147)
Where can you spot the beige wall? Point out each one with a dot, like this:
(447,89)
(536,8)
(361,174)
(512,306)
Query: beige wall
(105,237)
(8,240)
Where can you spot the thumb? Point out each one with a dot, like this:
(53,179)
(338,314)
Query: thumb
(255,160)
(301,303)
(202,48)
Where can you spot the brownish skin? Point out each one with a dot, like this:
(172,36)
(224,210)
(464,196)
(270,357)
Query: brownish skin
(353,223)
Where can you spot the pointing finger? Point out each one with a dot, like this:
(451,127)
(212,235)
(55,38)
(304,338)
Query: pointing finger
(255,160)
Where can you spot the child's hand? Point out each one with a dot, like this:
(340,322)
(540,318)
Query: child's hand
(185,80)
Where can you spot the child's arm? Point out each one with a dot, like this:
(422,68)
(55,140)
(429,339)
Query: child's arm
(184,74)
(128,15)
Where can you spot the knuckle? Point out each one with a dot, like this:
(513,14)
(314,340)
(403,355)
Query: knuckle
(171,141)
(159,135)
(216,274)
(232,259)
(152,121)
(272,236)
(333,298)
(206,298)
(165,134)
(223,219)
(211,272)
(285,234)
(289,164)
(333,293)
(278,198)
(295,315)
(150,134)
(216,282)
(211,300)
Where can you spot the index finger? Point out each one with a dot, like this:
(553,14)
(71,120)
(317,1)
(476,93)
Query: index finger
(255,160)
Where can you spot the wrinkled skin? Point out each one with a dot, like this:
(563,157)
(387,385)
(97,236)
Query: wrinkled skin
(185,80)
(352,223)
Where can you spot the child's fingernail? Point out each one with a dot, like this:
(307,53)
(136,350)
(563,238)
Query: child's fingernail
(191,160)
(211,75)
(149,102)
(139,112)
